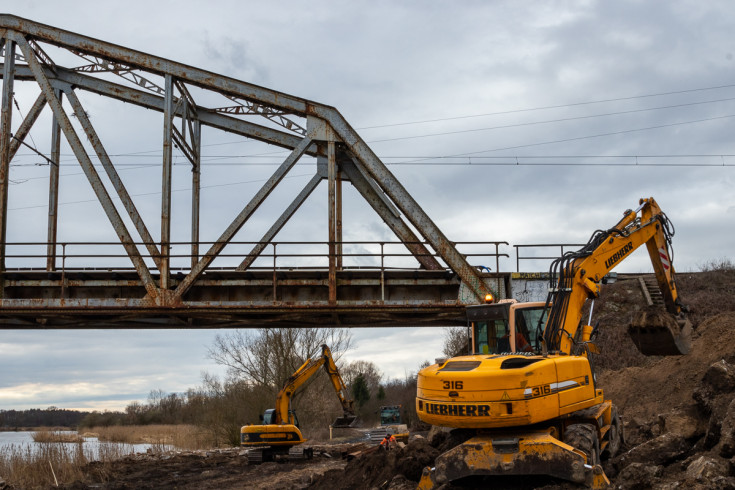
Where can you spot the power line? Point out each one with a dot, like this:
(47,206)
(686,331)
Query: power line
(566,140)
(564,119)
(560,106)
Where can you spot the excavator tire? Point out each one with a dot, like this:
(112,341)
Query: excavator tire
(584,438)
(615,436)
(658,333)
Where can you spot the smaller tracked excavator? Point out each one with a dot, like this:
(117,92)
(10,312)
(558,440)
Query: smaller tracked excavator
(526,401)
(279,433)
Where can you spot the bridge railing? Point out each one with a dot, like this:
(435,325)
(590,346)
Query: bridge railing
(285,255)
(541,262)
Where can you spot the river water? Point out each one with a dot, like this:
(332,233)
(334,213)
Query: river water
(93,449)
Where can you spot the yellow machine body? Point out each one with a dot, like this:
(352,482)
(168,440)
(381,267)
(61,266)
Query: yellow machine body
(270,435)
(504,390)
(526,394)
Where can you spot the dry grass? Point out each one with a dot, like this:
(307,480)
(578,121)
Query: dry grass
(56,436)
(47,462)
(159,436)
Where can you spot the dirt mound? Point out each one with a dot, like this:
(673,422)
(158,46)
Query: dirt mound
(668,382)
(217,469)
(396,469)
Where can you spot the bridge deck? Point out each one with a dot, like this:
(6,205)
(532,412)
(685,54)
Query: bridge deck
(107,299)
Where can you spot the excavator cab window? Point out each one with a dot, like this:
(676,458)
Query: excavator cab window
(491,336)
(528,332)
(269,417)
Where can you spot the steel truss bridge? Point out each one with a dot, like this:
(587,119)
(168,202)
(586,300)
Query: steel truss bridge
(139,281)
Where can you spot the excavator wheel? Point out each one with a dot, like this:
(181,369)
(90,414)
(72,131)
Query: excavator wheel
(658,333)
(615,435)
(584,437)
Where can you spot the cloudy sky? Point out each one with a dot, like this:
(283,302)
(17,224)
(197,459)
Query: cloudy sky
(527,122)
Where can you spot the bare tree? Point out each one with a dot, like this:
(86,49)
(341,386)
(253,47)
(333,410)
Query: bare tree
(265,358)
(367,369)
(455,341)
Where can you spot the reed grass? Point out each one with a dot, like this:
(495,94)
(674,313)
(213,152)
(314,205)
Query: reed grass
(164,436)
(56,436)
(59,458)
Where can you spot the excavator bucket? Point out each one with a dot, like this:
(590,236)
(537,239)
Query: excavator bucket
(658,333)
(344,422)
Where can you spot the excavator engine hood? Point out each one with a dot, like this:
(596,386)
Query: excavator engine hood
(503,391)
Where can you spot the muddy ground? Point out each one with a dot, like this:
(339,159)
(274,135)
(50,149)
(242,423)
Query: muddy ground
(678,413)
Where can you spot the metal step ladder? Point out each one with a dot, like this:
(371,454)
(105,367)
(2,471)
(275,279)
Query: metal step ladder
(651,291)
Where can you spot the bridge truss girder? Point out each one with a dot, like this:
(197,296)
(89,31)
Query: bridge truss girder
(301,126)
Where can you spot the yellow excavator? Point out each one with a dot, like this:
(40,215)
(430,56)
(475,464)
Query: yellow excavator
(279,431)
(526,401)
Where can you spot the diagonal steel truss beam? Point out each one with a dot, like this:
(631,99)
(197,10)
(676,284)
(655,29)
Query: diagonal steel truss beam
(27,124)
(280,222)
(114,177)
(241,218)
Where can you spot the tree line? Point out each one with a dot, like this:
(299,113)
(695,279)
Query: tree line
(40,417)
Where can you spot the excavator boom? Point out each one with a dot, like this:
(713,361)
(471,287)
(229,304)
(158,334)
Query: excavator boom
(303,374)
(578,276)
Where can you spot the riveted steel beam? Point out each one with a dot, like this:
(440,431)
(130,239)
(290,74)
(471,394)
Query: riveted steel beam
(166,175)
(6,115)
(331,204)
(148,100)
(155,64)
(112,174)
(282,220)
(53,188)
(87,166)
(26,125)
(400,196)
(241,218)
(196,184)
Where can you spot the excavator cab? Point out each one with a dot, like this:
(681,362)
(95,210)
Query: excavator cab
(506,327)
(269,417)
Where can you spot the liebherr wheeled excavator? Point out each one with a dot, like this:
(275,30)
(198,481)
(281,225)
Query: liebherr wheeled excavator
(526,399)
(279,432)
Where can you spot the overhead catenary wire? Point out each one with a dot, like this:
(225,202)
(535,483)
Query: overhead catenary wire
(559,106)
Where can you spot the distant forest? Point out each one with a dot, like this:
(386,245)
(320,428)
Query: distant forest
(36,417)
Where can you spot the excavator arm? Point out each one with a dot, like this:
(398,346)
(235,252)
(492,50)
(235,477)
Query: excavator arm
(578,276)
(301,375)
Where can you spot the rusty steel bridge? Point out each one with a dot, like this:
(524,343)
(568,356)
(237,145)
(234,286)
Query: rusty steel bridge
(144,279)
